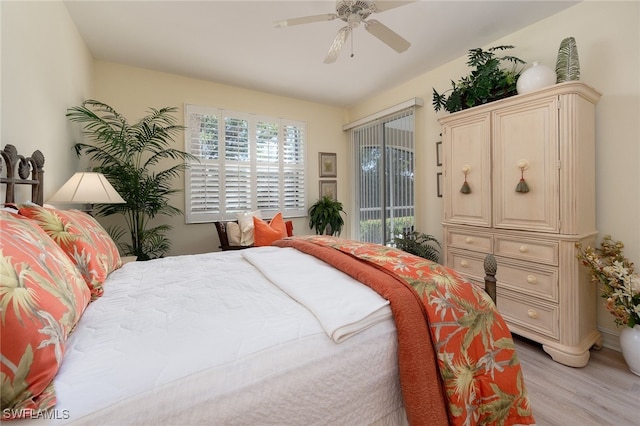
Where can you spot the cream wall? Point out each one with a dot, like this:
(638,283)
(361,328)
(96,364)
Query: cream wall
(131,91)
(608,38)
(46,67)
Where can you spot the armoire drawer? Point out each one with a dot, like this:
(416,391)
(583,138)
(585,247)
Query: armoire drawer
(467,263)
(529,313)
(527,278)
(516,247)
(476,241)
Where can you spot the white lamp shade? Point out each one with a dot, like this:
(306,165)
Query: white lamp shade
(87,188)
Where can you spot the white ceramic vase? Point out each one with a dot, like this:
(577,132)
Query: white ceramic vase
(630,345)
(534,78)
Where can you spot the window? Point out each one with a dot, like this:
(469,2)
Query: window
(383,151)
(247,162)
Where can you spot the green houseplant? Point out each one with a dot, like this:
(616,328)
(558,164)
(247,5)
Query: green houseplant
(420,244)
(487,83)
(131,157)
(325,216)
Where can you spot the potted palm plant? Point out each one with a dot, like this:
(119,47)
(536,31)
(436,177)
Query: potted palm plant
(130,156)
(325,216)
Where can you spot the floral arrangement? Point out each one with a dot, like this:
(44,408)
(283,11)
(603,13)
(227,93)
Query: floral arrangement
(621,285)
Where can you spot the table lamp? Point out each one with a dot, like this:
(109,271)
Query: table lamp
(87,188)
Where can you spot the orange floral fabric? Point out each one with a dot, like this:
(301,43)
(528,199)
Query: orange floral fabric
(42,296)
(83,239)
(476,354)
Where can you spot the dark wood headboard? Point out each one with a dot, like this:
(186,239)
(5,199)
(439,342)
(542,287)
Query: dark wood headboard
(18,168)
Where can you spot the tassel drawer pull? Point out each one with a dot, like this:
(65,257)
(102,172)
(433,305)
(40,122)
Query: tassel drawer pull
(466,189)
(522,185)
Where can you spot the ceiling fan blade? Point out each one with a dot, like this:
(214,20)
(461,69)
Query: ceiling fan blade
(386,35)
(381,6)
(305,20)
(337,44)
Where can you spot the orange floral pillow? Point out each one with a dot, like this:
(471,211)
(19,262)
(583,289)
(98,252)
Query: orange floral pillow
(83,239)
(266,233)
(42,296)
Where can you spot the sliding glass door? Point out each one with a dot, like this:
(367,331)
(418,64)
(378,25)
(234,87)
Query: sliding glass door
(383,151)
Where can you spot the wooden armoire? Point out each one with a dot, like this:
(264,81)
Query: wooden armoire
(543,142)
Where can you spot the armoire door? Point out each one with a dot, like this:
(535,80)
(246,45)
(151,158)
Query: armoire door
(467,156)
(525,146)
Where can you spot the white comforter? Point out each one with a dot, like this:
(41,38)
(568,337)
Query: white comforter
(208,339)
(342,305)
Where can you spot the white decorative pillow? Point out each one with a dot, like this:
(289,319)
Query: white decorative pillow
(233,233)
(245,221)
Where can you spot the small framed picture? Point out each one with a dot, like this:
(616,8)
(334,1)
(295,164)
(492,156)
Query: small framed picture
(329,188)
(439,153)
(439,183)
(328,164)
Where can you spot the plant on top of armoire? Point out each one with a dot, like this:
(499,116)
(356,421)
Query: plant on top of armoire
(131,157)
(487,83)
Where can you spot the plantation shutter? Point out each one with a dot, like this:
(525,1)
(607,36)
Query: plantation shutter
(236,196)
(293,154)
(246,163)
(202,189)
(267,165)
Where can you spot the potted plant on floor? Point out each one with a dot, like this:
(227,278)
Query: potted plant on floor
(131,156)
(420,244)
(325,216)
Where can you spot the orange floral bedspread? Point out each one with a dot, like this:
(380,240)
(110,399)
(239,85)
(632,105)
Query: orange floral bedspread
(479,369)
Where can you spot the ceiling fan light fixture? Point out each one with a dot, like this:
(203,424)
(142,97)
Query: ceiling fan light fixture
(355,12)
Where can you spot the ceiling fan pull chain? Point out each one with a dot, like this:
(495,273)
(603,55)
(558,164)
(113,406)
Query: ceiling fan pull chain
(352,36)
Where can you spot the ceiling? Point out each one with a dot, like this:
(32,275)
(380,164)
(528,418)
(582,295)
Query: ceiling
(236,43)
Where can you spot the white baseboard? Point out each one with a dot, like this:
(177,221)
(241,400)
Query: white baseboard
(610,339)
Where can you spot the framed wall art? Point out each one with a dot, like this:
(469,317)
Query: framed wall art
(329,188)
(439,183)
(328,164)
(439,153)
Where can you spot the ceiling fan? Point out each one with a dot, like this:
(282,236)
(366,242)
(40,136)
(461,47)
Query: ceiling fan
(354,13)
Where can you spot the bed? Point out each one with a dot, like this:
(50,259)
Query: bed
(310,330)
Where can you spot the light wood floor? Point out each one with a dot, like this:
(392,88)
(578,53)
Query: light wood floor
(604,392)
